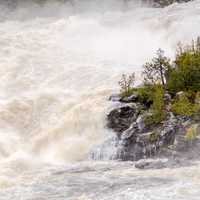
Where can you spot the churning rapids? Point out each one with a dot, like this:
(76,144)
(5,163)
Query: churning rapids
(59,62)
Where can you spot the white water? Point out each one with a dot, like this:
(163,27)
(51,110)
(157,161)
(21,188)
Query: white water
(58,65)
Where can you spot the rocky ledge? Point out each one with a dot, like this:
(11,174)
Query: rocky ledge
(137,139)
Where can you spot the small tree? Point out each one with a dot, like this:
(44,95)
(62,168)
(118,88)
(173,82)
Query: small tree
(157,70)
(126,83)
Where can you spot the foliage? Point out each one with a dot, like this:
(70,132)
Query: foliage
(197,98)
(126,83)
(159,76)
(156,71)
(145,95)
(158,104)
(184,107)
(185,75)
(157,113)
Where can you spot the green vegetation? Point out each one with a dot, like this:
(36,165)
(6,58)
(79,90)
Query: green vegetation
(192,133)
(158,105)
(145,95)
(156,71)
(156,111)
(161,76)
(185,76)
(184,107)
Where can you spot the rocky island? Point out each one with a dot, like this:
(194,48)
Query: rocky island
(160,118)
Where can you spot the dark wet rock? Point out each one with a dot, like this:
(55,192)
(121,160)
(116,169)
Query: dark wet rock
(151,164)
(138,137)
(142,121)
(115,97)
(138,142)
(130,132)
(130,99)
(120,118)
(163,3)
(126,99)
(145,145)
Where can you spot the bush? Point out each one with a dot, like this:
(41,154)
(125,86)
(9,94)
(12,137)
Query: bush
(186,74)
(158,104)
(157,113)
(145,95)
(184,107)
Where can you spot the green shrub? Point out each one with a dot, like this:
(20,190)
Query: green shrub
(186,74)
(145,95)
(160,75)
(158,104)
(156,113)
(184,107)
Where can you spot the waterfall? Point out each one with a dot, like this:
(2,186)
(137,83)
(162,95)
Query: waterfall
(59,63)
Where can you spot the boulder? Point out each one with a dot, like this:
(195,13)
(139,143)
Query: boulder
(115,97)
(150,164)
(120,118)
(142,121)
(130,99)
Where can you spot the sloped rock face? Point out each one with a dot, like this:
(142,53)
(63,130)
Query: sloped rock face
(136,140)
(135,145)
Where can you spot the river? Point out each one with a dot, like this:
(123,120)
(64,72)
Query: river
(59,62)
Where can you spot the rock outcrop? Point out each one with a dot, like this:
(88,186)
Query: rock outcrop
(137,140)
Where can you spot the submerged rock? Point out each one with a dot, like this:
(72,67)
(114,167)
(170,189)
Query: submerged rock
(151,164)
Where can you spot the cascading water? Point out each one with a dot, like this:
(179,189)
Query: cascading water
(59,63)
